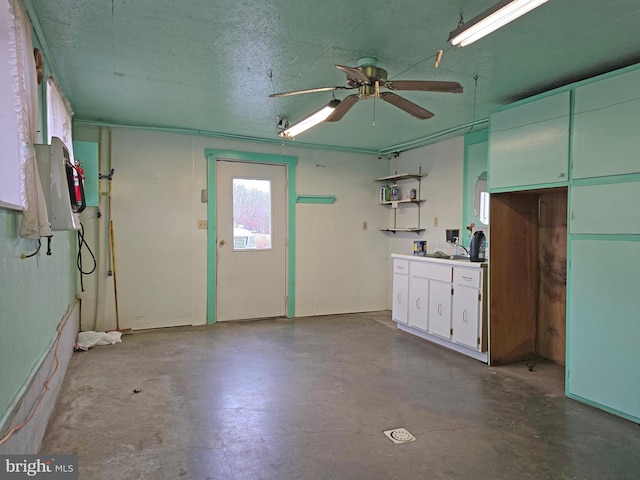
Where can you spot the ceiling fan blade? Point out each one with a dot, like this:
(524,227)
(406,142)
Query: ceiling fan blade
(404,104)
(355,74)
(309,90)
(425,86)
(343,108)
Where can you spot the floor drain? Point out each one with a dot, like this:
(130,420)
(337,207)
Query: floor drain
(400,435)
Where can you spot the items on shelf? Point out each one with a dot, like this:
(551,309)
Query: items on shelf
(401,190)
(420,247)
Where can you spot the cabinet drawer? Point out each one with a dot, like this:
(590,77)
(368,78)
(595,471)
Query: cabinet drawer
(466,276)
(401,266)
(431,271)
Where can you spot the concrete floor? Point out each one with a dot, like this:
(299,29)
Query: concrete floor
(310,398)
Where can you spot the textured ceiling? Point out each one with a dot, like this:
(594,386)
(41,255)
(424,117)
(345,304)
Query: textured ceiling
(211,65)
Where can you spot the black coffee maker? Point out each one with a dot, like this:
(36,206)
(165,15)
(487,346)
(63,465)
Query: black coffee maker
(478,248)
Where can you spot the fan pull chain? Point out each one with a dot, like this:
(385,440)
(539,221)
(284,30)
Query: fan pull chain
(374,111)
(376,96)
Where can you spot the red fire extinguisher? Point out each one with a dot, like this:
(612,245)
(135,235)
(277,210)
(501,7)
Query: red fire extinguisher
(75,180)
(78,181)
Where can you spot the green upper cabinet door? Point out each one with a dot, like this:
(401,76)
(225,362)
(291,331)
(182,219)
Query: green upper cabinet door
(605,129)
(529,144)
(610,208)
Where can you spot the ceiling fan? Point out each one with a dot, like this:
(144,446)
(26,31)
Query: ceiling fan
(369,79)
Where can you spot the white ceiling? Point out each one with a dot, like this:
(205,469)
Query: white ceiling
(211,65)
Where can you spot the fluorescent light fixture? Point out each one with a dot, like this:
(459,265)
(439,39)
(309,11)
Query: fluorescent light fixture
(491,20)
(310,121)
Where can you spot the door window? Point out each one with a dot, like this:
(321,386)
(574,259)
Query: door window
(251,214)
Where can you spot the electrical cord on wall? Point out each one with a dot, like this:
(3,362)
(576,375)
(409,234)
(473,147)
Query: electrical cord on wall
(24,255)
(34,409)
(81,242)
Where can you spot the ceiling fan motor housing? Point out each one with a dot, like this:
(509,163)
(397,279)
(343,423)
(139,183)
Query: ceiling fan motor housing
(375,74)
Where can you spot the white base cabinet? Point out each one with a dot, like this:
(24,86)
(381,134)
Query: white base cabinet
(400,308)
(465,318)
(440,309)
(418,302)
(442,301)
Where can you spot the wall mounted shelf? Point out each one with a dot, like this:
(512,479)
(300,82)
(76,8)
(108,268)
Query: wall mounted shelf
(402,176)
(392,202)
(394,230)
(405,182)
(320,199)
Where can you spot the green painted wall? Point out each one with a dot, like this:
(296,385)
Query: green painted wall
(34,296)
(87,154)
(475,162)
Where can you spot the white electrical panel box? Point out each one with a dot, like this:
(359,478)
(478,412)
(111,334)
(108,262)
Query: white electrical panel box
(52,161)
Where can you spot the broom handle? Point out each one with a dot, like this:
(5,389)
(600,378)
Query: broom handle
(113,265)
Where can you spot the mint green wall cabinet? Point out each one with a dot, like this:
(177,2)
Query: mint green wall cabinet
(604,326)
(606,130)
(612,208)
(529,144)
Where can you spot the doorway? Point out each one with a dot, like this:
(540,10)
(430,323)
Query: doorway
(528,255)
(251,240)
(250,235)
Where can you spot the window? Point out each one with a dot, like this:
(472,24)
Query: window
(13,103)
(251,214)
(58,116)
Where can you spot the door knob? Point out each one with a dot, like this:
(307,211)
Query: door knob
(221,242)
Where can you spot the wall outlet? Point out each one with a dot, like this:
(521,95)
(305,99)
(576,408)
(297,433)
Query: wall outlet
(435,221)
(202,224)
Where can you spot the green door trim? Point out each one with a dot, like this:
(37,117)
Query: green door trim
(290,162)
(473,138)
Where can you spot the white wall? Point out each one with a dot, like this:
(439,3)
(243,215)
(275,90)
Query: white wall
(442,189)
(161,256)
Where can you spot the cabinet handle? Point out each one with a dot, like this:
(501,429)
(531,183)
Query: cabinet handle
(418,302)
(400,267)
(464,316)
(467,278)
(398,298)
(439,309)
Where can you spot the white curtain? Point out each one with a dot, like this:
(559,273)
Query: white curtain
(59,115)
(35,221)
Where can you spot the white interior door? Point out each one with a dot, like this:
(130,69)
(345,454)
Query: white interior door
(251,241)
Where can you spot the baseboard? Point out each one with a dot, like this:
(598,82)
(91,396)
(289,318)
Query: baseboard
(591,403)
(27,440)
